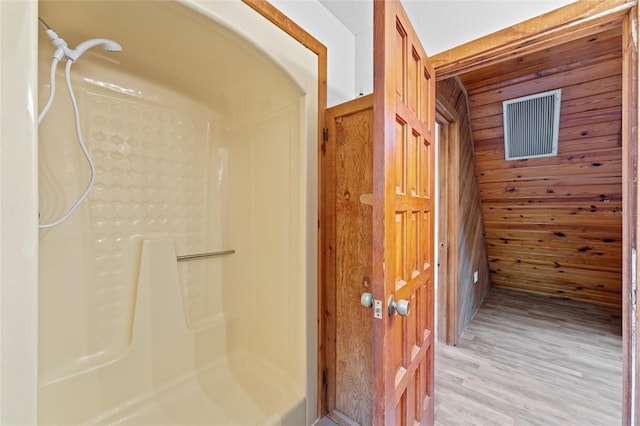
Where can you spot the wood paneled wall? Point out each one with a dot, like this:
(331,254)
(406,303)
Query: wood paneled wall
(472,252)
(554,225)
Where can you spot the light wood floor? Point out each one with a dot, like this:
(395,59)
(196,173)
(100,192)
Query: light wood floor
(532,360)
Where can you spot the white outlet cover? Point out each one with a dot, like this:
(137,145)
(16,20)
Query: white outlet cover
(475,277)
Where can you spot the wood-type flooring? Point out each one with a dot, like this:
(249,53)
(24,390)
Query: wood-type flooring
(529,359)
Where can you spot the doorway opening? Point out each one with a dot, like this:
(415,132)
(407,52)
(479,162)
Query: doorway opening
(598,282)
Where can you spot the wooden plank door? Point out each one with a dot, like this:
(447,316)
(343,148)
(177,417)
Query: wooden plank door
(349,339)
(403,176)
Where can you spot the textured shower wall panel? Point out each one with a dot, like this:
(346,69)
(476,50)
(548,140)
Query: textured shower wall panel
(266,276)
(159,172)
(276,171)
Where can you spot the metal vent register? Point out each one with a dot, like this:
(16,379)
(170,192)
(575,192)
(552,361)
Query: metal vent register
(531,126)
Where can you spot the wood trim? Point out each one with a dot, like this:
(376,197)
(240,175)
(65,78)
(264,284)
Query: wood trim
(279,19)
(448,117)
(383,100)
(359,104)
(559,26)
(630,221)
(442,318)
(445,113)
(327,311)
(453,200)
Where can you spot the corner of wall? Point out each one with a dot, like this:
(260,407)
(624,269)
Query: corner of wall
(340,42)
(18,214)
(364,63)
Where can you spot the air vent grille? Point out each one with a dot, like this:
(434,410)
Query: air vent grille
(531,126)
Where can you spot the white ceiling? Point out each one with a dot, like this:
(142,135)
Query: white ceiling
(443,24)
(356,15)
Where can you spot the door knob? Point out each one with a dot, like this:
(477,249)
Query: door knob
(402,307)
(366,300)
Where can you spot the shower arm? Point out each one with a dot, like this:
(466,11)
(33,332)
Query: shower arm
(43,24)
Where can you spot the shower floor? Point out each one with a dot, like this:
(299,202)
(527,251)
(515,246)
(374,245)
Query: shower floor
(232,390)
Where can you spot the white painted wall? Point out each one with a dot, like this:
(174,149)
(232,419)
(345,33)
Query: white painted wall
(364,62)
(441,24)
(340,42)
(448,23)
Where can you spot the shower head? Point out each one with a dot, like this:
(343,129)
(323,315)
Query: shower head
(108,45)
(62,49)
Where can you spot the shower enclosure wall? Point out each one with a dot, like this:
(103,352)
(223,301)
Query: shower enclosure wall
(203,132)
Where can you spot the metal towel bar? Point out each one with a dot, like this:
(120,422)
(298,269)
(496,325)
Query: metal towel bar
(203,255)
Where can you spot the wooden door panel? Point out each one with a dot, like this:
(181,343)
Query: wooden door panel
(399,62)
(413,158)
(351,129)
(400,166)
(403,176)
(425,161)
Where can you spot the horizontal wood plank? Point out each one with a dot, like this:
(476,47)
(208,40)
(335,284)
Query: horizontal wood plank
(572,22)
(556,262)
(555,221)
(533,65)
(596,71)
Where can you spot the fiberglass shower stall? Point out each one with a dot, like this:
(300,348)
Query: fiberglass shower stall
(203,131)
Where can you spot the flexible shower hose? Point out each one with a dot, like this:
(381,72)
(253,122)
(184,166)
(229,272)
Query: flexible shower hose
(43,113)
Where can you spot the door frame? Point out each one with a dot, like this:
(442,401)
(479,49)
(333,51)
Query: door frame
(449,187)
(557,27)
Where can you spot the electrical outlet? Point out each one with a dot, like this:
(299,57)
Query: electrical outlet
(475,277)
